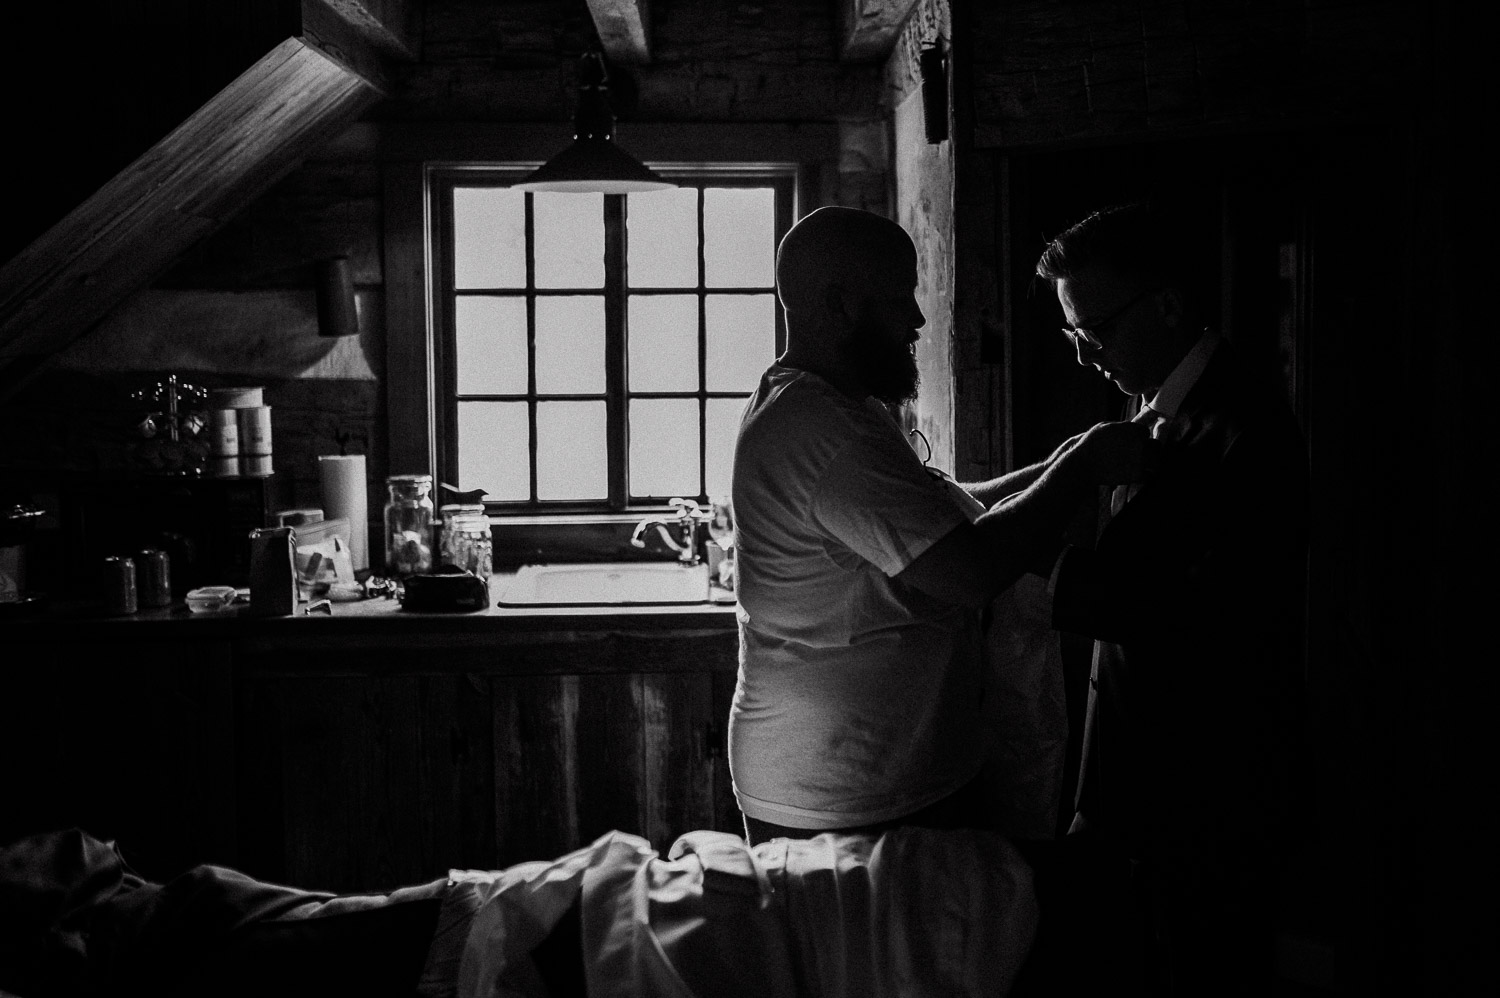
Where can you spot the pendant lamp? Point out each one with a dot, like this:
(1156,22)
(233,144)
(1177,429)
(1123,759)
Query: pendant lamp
(593,163)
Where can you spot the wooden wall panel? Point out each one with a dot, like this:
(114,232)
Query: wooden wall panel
(536,758)
(610,760)
(348,747)
(456,797)
(677,778)
(726,810)
(409,401)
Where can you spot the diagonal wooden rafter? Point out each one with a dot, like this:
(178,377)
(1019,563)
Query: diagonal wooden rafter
(623,30)
(868,29)
(191,181)
(182,188)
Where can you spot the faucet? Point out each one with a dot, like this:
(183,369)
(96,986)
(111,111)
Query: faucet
(685,543)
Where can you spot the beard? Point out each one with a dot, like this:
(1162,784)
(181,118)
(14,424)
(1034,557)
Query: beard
(889,372)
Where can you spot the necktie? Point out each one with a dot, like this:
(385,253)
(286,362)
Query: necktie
(1121,494)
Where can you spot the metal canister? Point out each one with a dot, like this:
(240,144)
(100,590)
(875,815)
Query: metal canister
(119,585)
(153,578)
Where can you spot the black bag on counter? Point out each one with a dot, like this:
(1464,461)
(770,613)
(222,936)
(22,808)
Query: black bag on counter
(448,590)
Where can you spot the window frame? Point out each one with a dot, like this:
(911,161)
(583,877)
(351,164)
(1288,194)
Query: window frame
(782,178)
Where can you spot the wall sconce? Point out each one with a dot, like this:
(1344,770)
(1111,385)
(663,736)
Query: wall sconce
(337,313)
(933,63)
(593,163)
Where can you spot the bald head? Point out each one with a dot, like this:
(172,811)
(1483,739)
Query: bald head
(837,248)
(847,280)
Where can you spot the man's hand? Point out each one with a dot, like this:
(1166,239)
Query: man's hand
(1111,454)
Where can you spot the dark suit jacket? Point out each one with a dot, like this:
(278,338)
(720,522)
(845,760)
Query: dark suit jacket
(1193,594)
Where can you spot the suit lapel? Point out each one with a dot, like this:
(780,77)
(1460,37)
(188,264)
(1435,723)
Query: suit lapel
(1188,430)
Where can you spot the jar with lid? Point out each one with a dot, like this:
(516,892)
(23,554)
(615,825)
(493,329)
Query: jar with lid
(466,541)
(408,525)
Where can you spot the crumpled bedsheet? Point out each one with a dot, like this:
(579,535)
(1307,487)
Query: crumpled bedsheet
(75,919)
(915,912)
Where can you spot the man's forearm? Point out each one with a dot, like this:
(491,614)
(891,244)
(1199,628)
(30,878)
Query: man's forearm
(1014,536)
(1009,484)
(1029,523)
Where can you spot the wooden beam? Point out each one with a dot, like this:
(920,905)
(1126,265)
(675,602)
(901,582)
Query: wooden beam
(388,26)
(868,29)
(622,27)
(185,186)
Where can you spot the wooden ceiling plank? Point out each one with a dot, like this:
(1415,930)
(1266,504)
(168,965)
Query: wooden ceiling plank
(623,27)
(868,29)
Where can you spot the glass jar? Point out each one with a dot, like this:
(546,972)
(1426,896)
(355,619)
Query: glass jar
(408,525)
(466,541)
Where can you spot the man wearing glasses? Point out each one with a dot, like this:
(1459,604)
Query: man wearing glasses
(1192,594)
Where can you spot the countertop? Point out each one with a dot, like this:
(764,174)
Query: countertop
(375,617)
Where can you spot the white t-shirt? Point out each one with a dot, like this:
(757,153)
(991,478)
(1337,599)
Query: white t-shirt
(858,696)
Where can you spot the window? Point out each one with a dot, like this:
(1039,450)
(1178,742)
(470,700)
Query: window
(596,351)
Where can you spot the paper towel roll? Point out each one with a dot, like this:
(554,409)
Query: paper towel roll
(345,495)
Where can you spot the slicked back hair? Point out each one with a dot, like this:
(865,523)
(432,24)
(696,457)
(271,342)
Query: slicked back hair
(1139,242)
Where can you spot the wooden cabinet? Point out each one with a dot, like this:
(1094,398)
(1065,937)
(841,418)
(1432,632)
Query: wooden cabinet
(351,759)
(391,766)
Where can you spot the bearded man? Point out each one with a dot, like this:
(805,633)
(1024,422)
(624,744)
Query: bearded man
(860,571)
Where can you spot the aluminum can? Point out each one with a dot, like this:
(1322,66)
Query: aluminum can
(153,578)
(119,586)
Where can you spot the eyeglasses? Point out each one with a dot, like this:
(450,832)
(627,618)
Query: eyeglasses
(1089,335)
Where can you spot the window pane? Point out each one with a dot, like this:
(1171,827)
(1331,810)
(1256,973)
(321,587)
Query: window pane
(722,425)
(741,337)
(491,340)
(571,461)
(489,238)
(569,233)
(494,445)
(570,345)
(739,237)
(664,447)
(662,237)
(663,343)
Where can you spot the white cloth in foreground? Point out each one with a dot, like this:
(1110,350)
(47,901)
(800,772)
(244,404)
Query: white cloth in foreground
(914,912)
(1024,703)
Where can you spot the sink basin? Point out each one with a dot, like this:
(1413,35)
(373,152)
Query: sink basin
(625,583)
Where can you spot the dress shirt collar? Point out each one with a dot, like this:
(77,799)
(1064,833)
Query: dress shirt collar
(1168,398)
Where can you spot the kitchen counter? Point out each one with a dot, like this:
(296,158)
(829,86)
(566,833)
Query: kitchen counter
(385,618)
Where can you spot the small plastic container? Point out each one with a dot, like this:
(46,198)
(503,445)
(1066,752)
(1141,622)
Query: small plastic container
(210,598)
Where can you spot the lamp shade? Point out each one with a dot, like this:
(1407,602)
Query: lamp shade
(593,163)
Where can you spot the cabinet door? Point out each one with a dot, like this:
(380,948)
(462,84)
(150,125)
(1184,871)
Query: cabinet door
(364,783)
